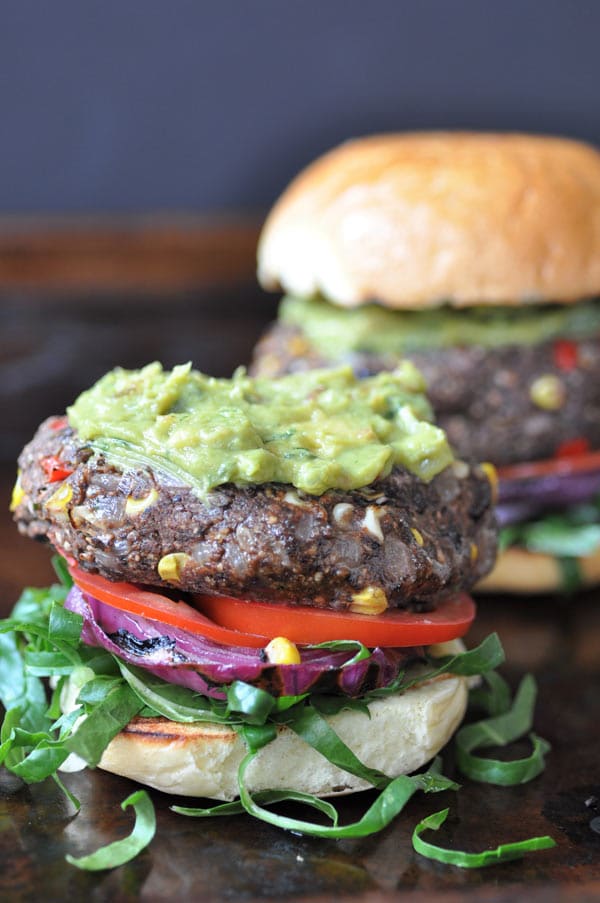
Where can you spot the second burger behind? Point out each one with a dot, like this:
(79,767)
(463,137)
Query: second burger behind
(478,257)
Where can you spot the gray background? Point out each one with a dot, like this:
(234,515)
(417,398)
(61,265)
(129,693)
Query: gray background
(177,105)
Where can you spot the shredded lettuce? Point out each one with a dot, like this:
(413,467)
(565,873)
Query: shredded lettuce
(502,728)
(103,721)
(505,852)
(509,720)
(126,849)
(566,535)
(386,807)
(571,533)
(41,640)
(493,698)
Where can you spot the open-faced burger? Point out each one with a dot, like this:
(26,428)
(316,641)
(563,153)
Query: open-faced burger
(258,550)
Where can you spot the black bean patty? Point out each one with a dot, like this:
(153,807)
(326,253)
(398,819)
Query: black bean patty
(400,540)
(482,397)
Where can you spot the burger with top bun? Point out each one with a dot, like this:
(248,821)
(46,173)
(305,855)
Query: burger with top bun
(477,257)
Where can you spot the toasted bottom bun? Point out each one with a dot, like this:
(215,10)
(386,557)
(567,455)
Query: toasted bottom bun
(202,759)
(520,571)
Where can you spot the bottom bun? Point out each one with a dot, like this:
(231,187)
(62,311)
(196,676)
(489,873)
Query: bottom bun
(520,571)
(201,759)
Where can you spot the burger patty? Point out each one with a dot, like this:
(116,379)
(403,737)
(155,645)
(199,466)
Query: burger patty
(505,405)
(400,540)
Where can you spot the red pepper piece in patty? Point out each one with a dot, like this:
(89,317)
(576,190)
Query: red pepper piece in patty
(58,423)
(54,469)
(565,354)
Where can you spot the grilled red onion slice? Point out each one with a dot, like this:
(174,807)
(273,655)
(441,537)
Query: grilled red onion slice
(520,500)
(192,661)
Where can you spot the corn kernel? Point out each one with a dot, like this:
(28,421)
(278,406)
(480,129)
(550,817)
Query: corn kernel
(18,494)
(59,500)
(135,506)
(474,552)
(371,523)
(170,566)
(369,601)
(492,475)
(281,651)
(417,535)
(297,345)
(547,392)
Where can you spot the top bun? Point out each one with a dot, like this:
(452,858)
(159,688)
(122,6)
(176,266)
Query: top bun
(417,220)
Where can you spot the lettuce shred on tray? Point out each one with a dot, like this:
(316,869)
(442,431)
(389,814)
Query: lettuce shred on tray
(41,640)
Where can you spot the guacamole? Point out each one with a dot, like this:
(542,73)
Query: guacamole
(319,430)
(372,329)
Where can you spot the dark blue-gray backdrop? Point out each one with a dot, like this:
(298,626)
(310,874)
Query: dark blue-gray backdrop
(205,106)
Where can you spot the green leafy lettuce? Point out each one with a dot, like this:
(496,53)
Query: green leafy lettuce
(41,640)
(502,853)
(567,535)
(508,721)
(126,849)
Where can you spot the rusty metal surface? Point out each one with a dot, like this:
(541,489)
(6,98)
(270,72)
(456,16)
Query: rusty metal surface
(237,858)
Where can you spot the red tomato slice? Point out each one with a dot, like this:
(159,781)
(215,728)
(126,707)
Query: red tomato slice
(573,448)
(234,622)
(301,624)
(551,466)
(157,607)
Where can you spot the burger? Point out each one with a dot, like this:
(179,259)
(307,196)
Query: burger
(477,257)
(267,581)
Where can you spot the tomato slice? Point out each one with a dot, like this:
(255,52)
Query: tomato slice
(573,448)
(551,466)
(235,622)
(301,624)
(156,607)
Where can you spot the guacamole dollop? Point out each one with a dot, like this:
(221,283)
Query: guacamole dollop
(324,429)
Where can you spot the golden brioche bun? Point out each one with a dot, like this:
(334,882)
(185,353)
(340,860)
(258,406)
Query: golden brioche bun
(519,571)
(419,219)
(200,759)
